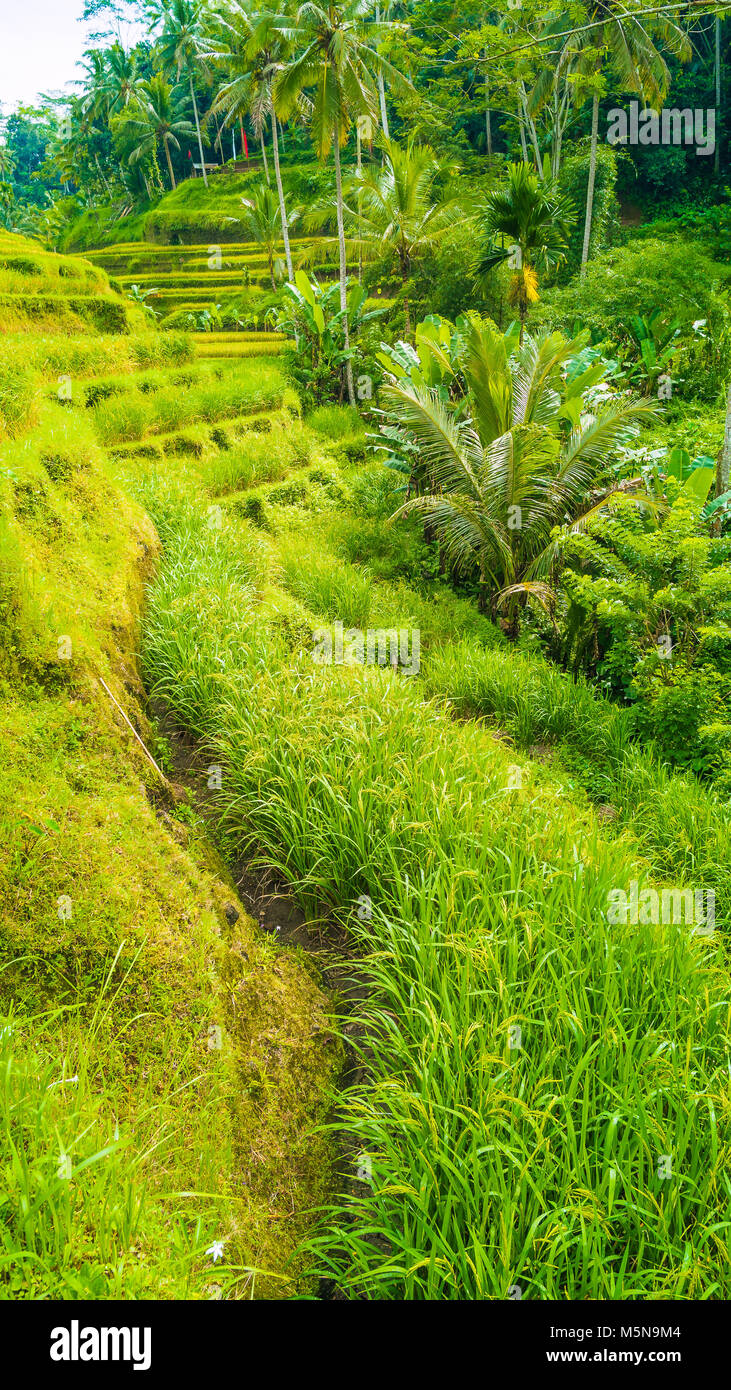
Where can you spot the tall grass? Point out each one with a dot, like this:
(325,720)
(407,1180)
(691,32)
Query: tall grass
(82,1213)
(678,822)
(135,414)
(582,1157)
(258,458)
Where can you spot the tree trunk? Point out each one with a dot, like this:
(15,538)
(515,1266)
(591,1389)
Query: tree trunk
(170,162)
(280,191)
(405,282)
(590,184)
(219,142)
(343,262)
(382,89)
(359,166)
(717,66)
(488,122)
(103,176)
(530,123)
(264,157)
(523,144)
(198,129)
(723,466)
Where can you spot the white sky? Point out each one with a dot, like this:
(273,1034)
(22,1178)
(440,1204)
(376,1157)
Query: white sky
(40,43)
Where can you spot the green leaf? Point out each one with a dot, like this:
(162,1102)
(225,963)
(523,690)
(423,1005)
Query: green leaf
(304,287)
(698,485)
(678,463)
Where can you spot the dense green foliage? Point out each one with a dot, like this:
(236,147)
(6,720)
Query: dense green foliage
(365,569)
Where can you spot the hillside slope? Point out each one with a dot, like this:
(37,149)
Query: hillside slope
(162,1064)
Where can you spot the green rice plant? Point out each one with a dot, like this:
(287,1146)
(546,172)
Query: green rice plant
(677,821)
(96,356)
(339,593)
(336,421)
(489,1162)
(134,415)
(18,399)
(256,458)
(121,419)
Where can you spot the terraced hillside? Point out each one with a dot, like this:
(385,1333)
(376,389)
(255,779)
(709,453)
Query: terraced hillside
(162,1062)
(40,291)
(181,275)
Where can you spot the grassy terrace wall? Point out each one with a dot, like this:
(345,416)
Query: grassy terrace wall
(162,1064)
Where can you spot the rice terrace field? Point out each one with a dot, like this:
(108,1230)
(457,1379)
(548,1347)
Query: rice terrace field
(365,622)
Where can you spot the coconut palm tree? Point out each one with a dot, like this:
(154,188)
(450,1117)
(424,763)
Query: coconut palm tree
(401,210)
(522,455)
(160,118)
(122,79)
(258,47)
(624,36)
(525,223)
(180,45)
(334,54)
(7,163)
(263,222)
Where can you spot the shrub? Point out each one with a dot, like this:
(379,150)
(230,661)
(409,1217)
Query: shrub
(18,399)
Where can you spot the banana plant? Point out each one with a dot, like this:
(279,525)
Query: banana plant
(656,340)
(311,315)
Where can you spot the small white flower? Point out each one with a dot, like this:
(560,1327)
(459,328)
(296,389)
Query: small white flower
(215,1250)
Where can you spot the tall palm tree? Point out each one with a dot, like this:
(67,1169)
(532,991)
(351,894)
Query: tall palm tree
(160,118)
(400,208)
(622,33)
(508,469)
(7,163)
(533,218)
(334,54)
(180,45)
(122,79)
(256,45)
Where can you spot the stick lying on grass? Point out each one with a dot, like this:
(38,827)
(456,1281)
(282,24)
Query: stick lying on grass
(145,750)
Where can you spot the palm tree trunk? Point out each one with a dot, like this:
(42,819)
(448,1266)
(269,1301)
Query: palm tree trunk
(264,157)
(359,166)
(488,122)
(170,162)
(723,466)
(219,141)
(590,184)
(523,144)
(717,69)
(343,263)
(530,123)
(103,176)
(198,129)
(382,89)
(280,191)
(405,284)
